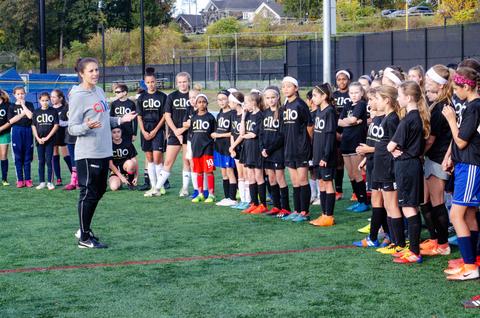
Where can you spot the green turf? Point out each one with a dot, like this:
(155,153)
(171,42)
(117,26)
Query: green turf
(38,228)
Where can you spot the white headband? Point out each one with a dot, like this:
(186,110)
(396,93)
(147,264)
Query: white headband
(232,90)
(436,77)
(254,90)
(387,70)
(342,72)
(394,78)
(289,79)
(233,99)
(201,95)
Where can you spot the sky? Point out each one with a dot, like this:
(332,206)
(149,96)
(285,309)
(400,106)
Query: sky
(179,8)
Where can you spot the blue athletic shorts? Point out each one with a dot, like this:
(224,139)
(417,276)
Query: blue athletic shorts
(223,161)
(466,190)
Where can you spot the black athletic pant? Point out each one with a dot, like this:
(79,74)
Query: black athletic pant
(92,179)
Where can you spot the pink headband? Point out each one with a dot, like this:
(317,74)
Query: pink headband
(462,80)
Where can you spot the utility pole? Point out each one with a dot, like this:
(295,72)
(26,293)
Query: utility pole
(43,48)
(142,36)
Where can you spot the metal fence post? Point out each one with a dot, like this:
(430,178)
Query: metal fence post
(363,53)
(205,75)
(462,37)
(426,47)
(392,60)
(192,70)
(310,60)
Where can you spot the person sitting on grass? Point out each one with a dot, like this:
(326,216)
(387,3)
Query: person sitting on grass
(124,164)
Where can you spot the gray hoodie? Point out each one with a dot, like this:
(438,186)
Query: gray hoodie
(91,143)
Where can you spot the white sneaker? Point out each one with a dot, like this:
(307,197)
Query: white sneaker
(183,193)
(50,186)
(151,193)
(41,186)
(316,201)
(222,202)
(227,202)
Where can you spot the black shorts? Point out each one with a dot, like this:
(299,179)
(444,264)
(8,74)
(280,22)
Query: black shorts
(173,140)
(60,137)
(326,173)
(155,144)
(409,179)
(384,186)
(273,165)
(294,164)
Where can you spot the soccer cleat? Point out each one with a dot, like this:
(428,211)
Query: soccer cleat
(391,249)
(227,202)
(353,206)
(199,198)
(59,182)
(354,197)
(260,209)
(360,208)
(41,186)
(250,208)
(386,242)
(273,211)
(365,229)
(151,193)
(50,186)
(473,302)
(183,193)
(329,220)
(291,216)
(237,195)
(302,217)
(338,196)
(315,201)
(366,242)
(440,249)
(5,183)
(283,213)
(408,258)
(70,187)
(453,240)
(428,244)
(91,243)
(210,199)
(143,187)
(77,235)
(20,184)
(242,205)
(205,193)
(162,191)
(167,184)
(194,194)
(28,183)
(318,220)
(466,272)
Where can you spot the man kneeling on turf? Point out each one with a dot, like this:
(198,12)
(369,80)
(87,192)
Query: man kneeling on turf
(124,164)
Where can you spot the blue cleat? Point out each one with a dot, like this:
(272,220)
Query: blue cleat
(361,207)
(353,206)
(367,242)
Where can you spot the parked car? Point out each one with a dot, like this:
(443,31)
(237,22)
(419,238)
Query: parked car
(396,14)
(387,12)
(420,10)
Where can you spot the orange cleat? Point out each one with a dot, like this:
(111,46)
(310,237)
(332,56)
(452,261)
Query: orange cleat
(338,196)
(273,211)
(440,249)
(466,272)
(328,220)
(318,220)
(259,209)
(249,209)
(354,197)
(428,244)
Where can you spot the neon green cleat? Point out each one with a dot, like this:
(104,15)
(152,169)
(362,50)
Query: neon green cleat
(365,229)
(210,199)
(198,198)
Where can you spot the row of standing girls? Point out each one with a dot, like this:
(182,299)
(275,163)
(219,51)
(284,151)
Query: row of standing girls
(22,126)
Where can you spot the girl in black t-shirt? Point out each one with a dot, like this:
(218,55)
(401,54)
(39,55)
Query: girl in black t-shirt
(297,128)
(151,121)
(272,150)
(439,92)
(236,102)
(221,154)
(124,164)
(312,177)
(251,125)
(44,127)
(342,99)
(464,155)
(353,120)
(324,151)
(5,137)
(59,103)
(407,146)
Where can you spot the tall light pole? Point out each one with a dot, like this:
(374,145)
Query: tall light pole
(142,37)
(43,47)
(326,41)
(102,28)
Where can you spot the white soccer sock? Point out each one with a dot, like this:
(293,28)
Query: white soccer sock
(241,189)
(162,179)
(194,181)
(151,173)
(246,190)
(313,187)
(185,179)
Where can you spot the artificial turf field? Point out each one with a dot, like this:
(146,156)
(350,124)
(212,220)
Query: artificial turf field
(311,272)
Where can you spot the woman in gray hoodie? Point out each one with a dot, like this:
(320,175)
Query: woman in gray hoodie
(90,121)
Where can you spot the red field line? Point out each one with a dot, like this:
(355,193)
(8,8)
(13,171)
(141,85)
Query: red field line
(171,260)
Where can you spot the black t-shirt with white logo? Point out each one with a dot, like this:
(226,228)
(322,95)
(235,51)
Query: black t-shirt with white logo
(15,110)
(119,108)
(352,136)
(459,105)
(443,135)
(271,137)
(253,124)
(151,107)
(375,132)
(324,136)
(202,128)
(177,106)
(342,99)
(224,126)
(44,121)
(409,136)
(382,159)
(122,152)
(295,120)
(4,117)
(469,131)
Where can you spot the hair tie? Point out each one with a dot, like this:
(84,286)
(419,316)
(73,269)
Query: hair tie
(461,80)
(433,75)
